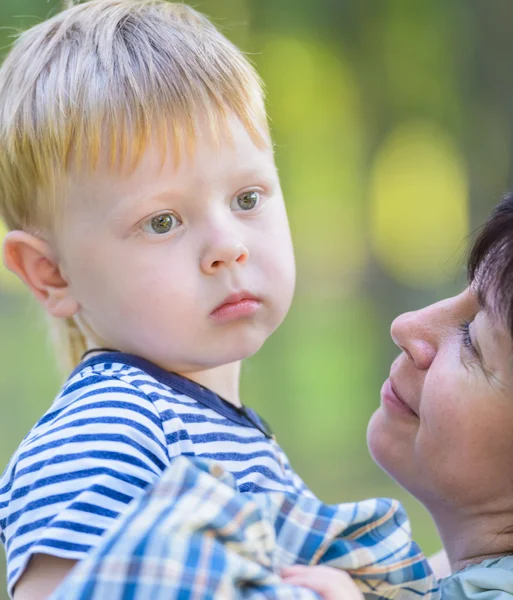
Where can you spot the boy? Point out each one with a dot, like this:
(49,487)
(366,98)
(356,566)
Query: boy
(138,183)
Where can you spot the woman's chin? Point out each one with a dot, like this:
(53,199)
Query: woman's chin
(376,439)
(390,450)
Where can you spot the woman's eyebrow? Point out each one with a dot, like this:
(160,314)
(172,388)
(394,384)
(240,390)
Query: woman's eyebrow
(496,327)
(481,300)
(484,304)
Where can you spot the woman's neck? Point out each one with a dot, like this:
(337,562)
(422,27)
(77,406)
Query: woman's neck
(473,534)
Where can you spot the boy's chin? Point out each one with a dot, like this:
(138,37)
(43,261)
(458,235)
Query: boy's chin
(245,349)
(244,344)
(228,353)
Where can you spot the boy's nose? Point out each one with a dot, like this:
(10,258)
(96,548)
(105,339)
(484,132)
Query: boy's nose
(225,255)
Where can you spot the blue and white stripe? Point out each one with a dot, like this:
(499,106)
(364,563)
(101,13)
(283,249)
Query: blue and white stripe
(110,433)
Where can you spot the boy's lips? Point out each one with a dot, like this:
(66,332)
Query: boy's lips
(236,305)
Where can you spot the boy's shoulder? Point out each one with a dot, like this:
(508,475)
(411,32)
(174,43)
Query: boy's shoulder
(136,373)
(108,385)
(103,441)
(110,398)
(101,399)
(125,370)
(119,382)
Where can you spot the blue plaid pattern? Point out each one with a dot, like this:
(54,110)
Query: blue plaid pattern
(193,535)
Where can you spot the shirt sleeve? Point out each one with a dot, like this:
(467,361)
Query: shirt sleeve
(78,470)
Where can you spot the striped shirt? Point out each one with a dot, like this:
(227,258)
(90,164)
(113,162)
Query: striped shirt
(111,432)
(192,535)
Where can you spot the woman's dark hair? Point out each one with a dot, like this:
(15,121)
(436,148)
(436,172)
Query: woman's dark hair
(490,261)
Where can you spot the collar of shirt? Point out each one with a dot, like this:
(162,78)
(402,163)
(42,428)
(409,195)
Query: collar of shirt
(182,385)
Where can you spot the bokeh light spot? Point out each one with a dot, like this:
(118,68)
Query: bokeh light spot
(320,154)
(419,206)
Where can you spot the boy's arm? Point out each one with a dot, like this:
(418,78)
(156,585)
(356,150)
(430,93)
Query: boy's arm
(42,576)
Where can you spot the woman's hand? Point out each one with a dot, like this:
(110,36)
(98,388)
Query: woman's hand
(330,583)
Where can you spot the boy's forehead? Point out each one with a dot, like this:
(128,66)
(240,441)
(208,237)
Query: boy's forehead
(120,152)
(178,160)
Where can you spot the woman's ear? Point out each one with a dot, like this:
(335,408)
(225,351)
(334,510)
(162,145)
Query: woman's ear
(31,259)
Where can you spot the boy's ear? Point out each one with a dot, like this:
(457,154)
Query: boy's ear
(31,259)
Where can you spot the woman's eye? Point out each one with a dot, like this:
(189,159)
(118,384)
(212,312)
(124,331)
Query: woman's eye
(161,224)
(245,201)
(466,340)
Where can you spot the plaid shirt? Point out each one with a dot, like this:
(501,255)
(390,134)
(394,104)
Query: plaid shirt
(193,535)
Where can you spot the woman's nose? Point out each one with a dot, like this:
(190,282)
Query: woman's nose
(416,335)
(224,254)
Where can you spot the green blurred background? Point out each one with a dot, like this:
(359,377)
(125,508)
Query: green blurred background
(393,126)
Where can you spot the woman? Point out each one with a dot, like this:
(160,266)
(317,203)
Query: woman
(444,427)
(443,431)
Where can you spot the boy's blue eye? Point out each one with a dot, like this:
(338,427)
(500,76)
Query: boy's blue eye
(161,224)
(246,200)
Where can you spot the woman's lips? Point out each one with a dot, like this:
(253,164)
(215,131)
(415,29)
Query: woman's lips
(236,306)
(392,400)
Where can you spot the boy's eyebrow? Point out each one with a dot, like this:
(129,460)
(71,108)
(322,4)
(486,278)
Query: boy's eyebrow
(162,195)
(127,204)
(254,173)
(258,174)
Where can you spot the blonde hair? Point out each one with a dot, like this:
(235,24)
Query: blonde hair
(100,78)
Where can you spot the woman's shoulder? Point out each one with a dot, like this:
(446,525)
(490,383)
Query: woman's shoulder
(491,579)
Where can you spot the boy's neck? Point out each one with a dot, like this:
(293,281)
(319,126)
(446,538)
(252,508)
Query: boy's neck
(223,380)
(473,534)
